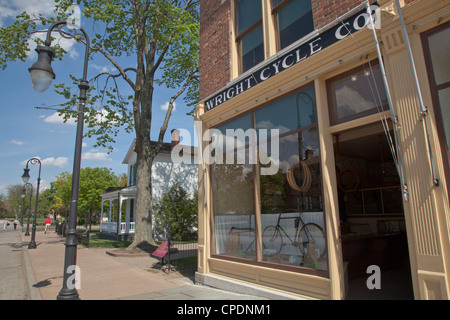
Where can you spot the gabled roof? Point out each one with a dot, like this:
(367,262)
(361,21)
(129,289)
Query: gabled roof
(165,148)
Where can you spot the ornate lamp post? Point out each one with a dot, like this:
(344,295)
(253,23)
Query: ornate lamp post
(27,233)
(26,178)
(41,74)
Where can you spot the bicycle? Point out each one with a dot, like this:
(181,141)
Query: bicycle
(310,236)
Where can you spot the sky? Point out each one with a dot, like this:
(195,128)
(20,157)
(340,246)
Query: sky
(27,132)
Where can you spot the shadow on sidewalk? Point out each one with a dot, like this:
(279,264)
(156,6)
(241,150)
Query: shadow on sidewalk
(45,283)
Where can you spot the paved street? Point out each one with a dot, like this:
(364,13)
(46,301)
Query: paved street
(13,267)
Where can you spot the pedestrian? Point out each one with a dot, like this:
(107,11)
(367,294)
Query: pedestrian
(48,222)
(5,224)
(16,222)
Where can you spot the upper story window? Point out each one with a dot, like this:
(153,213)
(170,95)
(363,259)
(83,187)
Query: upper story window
(294,20)
(132,174)
(263,27)
(250,35)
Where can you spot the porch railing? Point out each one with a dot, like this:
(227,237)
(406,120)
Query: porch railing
(124,228)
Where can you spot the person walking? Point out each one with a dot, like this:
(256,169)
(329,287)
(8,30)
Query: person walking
(48,222)
(5,224)
(16,222)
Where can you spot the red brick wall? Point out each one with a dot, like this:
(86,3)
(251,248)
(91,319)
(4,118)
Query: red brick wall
(215,37)
(215,44)
(325,11)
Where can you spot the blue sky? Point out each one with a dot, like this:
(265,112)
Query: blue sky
(27,132)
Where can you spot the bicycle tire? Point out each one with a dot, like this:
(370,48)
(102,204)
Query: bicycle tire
(315,232)
(272,240)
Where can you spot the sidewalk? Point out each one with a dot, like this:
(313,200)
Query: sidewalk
(103,277)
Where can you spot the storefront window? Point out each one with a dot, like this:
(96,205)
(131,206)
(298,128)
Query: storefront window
(294,20)
(356,94)
(291,200)
(437,51)
(291,221)
(250,37)
(233,207)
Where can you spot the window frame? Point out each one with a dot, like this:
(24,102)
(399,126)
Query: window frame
(275,19)
(257,198)
(239,37)
(333,114)
(434,90)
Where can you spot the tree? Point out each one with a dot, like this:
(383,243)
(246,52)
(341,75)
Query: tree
(177,213)
(93,182)
(163,37)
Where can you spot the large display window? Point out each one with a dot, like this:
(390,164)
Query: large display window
(273,219)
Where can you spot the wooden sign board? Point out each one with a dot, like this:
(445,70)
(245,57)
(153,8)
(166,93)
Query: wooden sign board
(162,250)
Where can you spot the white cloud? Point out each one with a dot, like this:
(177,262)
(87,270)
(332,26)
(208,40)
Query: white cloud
(165,106)
(17,142)
(101,69)
(9,9)
(95,155)
(51,162)
(56,118)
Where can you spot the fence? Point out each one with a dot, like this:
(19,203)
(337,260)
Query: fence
(182,256)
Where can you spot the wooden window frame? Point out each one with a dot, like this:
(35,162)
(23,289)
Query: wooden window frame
(434,90)
(241,35)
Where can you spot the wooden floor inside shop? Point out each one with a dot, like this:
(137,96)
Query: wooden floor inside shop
(396,284)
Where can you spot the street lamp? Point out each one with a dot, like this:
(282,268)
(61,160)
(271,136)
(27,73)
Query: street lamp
(42,74)
(27,233)
(26,178)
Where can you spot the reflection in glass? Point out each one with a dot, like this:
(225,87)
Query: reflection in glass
(233,210)
(357,94)
(289,113)
(291,205)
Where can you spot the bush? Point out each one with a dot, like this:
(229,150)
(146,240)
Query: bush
(176,213)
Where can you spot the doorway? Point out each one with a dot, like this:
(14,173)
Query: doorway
(373,231)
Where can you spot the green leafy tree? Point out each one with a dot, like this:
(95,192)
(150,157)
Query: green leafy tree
(93,182)
(177,212)
(162,37)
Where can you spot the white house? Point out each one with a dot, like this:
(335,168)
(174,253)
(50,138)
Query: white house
(122,200)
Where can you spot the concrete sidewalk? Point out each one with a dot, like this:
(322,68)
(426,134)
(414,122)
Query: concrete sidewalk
(37,274)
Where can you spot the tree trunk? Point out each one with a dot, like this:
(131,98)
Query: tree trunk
(143,236)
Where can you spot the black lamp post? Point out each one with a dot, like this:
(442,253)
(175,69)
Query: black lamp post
(27,233)
(26,178)
(41,74)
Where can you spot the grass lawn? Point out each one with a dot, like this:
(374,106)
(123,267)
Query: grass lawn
(96,242)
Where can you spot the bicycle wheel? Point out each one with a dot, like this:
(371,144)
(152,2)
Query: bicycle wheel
(312,234)
(272,241)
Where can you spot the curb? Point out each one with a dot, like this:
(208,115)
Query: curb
(33,292)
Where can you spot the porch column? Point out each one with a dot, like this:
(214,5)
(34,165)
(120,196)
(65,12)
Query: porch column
(119,214)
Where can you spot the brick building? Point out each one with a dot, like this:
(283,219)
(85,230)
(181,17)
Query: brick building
(352,167)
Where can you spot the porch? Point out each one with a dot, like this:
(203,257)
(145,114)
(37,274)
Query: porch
(117,214)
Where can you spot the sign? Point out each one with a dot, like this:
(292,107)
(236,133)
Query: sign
(162,250)
(304,50)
